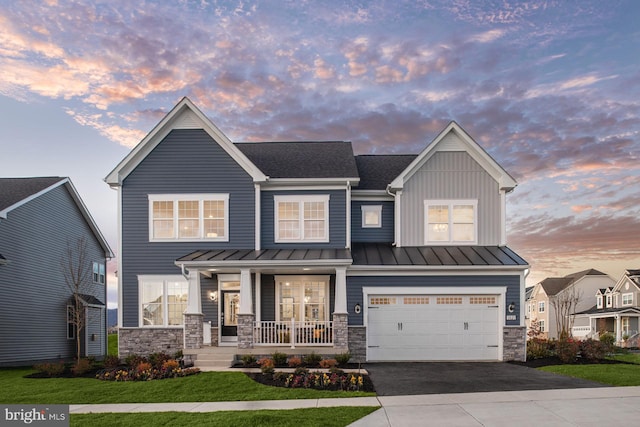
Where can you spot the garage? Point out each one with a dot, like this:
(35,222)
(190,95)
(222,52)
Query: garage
(423,327)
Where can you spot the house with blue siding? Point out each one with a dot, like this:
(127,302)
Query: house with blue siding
(237,248)
(40,219)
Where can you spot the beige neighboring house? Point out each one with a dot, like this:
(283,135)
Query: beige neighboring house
(540,305)
(616,310)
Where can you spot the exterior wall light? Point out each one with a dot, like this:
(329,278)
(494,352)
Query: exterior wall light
(512,307)
(357,308)
(213,295)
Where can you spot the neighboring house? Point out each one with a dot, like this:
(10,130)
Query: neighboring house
(544,297)
(617,310)
(303,244)
(39,217)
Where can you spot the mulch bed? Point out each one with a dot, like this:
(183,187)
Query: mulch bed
(549,361)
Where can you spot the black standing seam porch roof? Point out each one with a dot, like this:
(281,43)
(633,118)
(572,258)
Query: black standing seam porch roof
(368,254)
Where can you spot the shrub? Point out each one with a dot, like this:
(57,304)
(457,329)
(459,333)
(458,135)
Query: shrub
(294,362)
(50,369)
(134,360)
(592,349)
(81,367)
(143,366)
(343,358)
(248,359)
(170,366)
(328,363)
(608,340)
(157,359)
(301,370)
(111,361)
(567,350)
(266,365)
(320,381)
(312,359)
(279,359)
(538,348)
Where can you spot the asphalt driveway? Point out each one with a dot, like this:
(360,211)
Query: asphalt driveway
(409,378)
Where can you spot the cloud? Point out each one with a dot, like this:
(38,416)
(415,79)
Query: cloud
(126,137)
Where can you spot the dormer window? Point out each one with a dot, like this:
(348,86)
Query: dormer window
(451,221)
(599,301)
(609,301)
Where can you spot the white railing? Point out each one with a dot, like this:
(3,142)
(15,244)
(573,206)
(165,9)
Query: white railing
(292,333)
(580,331)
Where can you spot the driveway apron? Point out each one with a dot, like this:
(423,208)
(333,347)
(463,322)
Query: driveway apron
(410,378)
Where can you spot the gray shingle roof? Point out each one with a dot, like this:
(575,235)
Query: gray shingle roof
(377,171)
(13,190)
(332,159)
(553,285)
(387,255)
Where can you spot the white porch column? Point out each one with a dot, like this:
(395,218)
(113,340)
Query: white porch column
(258,307)
(246,303)
(194,299)
(341,291)
(618,329)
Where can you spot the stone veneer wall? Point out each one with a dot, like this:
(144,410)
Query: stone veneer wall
(145,341)
(214,336)
(340,331)
(193,331)
(514,343)
(245,330)
(358,343)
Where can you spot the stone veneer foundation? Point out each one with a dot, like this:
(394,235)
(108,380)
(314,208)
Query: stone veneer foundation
(358,343)
(340,331)
(144,341)
(245,330)
(514,343)
(193,331)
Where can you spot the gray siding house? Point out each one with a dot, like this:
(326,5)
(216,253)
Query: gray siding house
(304,246)
(39,218)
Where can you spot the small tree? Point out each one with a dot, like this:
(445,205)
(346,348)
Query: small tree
(534,329)
(77,275)
(564,304)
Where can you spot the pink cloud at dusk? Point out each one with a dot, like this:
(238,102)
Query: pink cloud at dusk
(548,88)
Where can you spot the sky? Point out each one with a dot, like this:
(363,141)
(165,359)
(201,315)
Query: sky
(551,89)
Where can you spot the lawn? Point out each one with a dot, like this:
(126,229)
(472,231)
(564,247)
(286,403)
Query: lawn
(338,417)
(204,387)
(112,345)
(623,374)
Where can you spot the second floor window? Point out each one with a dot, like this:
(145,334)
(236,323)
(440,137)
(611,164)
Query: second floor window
(98,273)
(599,301)
(450,221)
(541,307)
(609,301)
(627,299)
(189,217)
(301,219)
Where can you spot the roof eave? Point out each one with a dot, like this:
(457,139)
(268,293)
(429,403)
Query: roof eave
(264,264)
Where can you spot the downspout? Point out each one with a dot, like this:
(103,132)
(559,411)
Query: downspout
(396,216)
(348,219)
(185,274)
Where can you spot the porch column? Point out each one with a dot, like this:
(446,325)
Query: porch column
(340,314)
(245,311)
(618,329)
(193,317)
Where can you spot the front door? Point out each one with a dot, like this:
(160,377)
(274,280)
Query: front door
(229,315)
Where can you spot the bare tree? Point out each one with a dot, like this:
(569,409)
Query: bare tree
(565,304)
(77,272)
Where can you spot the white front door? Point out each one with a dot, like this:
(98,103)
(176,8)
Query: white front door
(432,327)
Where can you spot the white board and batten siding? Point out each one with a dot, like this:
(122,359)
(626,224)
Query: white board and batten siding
(419,324)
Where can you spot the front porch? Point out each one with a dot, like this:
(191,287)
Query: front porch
(267,302)
(623,324)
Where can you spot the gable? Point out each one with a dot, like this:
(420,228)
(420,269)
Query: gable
(185,115)
(454,139)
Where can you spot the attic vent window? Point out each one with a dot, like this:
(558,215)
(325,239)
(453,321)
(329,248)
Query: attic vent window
(371,216)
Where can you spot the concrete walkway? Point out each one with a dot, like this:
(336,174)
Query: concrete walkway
(610,406)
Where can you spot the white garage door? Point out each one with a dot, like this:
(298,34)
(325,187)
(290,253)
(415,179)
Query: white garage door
(432,327)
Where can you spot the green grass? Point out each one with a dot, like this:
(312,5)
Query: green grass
(611,374)
(330,417)
(204,387)
(112,345)
(627,357)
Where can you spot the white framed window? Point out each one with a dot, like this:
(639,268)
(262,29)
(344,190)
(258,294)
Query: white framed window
(599,301)
(371,216)
(541,307)
(541,325)
(301,218)
(627,299)
(163,300)
(71,323)
(625,325)
(451,221)
(98,273)
(188,217)
(609,301)
(303,298)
